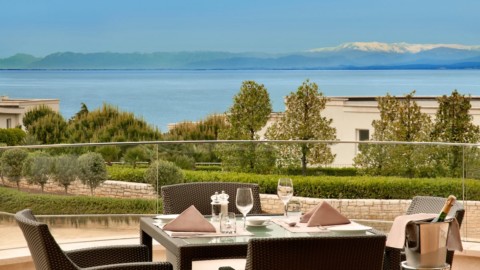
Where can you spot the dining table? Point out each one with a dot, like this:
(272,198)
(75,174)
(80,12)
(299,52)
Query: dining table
(181,251)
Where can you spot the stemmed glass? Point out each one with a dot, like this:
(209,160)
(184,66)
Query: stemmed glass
(285,192)
(244,202)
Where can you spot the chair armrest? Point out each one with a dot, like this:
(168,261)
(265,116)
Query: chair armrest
(135,266)
(89,257)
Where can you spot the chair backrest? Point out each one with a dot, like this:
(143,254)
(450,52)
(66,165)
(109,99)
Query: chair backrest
(46,253)
(430,204)
(363,252)
(178,197)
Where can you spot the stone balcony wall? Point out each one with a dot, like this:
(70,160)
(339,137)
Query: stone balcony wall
(370,209)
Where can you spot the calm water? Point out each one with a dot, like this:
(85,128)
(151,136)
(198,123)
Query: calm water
(163,97)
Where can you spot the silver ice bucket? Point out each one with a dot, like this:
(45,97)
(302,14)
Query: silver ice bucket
(426,243)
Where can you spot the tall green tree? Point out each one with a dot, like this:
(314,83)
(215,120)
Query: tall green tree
(303,120)
(401,119)
(453,123)
(249,113)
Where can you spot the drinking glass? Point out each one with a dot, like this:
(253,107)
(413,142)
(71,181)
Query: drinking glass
(285,192)
(227,223)
(244,202)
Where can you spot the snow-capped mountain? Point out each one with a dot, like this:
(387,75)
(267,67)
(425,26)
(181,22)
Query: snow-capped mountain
(393,47)
(354,55)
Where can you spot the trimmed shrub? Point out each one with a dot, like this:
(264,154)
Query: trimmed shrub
(12,201)
(167,172)
(358,187)
(126,173)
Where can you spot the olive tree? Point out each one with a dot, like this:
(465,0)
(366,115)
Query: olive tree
(12,164)
(37,168)
(135,154)
(65,170)
(92,170)
(163,172)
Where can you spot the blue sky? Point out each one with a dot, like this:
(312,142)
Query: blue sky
(40,27)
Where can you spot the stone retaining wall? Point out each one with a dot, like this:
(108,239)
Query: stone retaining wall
(109,188)
(370,209)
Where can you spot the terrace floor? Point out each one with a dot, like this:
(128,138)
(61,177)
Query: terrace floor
(14,255)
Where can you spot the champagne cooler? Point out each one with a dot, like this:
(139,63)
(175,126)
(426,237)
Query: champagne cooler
(426,244)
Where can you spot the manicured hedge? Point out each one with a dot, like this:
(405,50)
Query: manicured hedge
(322,171)
(350,187)
(126,173)
(12,200)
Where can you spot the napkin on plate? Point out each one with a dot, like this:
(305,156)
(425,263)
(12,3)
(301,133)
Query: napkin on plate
(396,236)
(323,215)
(190,220)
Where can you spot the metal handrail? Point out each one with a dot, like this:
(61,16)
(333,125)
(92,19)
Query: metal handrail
(40,146)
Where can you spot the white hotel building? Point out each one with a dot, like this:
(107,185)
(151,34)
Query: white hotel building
(353,116)
(13,110)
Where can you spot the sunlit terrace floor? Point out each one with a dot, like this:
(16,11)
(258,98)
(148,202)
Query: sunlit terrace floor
(14,254)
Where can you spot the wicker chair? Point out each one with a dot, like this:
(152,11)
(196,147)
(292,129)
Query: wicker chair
(423,204)
(47,254)
(178,197)
(327,253)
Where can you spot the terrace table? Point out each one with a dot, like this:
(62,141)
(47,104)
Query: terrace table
(182,251)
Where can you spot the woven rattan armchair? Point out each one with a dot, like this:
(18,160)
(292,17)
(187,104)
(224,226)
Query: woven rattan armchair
(47,254)
(423,204)
(178,197)
(355,252)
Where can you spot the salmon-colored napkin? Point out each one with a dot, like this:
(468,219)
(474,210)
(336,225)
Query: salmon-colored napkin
(190,220)
(323,215)
(396,236)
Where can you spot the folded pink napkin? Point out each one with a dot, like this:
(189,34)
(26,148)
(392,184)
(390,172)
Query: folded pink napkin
(323,215)
(396,236)
(190,220)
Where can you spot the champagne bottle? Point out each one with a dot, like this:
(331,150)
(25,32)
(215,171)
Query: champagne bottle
(446,208)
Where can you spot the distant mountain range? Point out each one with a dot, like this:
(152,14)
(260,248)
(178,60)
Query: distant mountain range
(355,55)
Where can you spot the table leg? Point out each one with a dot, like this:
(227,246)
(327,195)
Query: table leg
(146,239)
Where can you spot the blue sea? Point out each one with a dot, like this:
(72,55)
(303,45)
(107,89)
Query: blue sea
(161,97)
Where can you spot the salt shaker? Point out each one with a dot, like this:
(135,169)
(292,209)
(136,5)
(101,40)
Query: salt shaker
(216,206)
(223,198)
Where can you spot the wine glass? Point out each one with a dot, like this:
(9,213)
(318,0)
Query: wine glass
(244,202)
(285,192)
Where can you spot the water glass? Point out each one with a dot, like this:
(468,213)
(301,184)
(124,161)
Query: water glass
(228,223)
(285,192)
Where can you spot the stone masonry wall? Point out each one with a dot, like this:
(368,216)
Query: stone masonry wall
(370,209)
(109,188)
